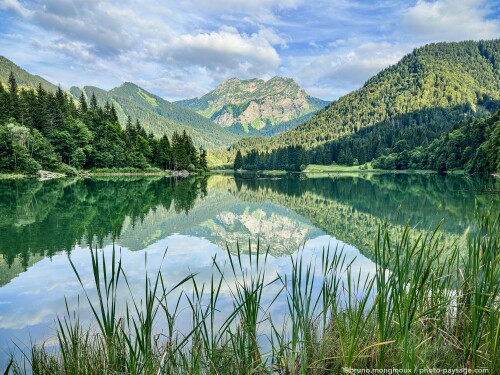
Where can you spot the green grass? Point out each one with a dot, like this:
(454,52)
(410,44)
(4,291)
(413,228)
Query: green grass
(9,176)
(147,98)
(126,170)
(425,307)
(336,168)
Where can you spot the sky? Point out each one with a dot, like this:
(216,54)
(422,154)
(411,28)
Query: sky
(185,48)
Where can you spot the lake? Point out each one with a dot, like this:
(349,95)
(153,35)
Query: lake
(42,224)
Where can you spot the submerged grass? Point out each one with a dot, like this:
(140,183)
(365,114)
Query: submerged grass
(420,310)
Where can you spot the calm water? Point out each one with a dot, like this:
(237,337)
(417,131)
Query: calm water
(42,223)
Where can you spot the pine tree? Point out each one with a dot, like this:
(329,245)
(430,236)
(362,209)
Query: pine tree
(14,110)
(238,161)
(114,116)
(203,159)
(83,104)
(12,84)
(4,104)
(93,104)
(176,150)
(164,153)
(61,100)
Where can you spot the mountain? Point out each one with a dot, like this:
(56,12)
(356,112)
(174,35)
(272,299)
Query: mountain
(255,103)
(23,78)
(415,100)
(157,115)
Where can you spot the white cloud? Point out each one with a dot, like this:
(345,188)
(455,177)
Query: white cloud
(273,37)
(337,43)
(330,46)
(339,71)
(224,50)
(244,6)
(15,7)
(17,37)
(450,20)
(179,84)
(77,50)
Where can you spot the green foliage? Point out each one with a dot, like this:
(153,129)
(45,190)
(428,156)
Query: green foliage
(30,210)
(238,161)
(23,77)
(184,154)
(287,158)
(25,150)
(46,130)
(158,116)
(418,310)
(415,101)
(473,146)
(203,159)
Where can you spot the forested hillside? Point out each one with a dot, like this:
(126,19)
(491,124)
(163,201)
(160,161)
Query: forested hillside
(474,147)
(24,79)
(157,115)
(418,99)
(44,130)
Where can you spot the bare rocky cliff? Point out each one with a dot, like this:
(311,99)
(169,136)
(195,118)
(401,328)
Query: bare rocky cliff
(255,103)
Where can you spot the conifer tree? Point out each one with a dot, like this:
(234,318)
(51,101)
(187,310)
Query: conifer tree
(203,159)
(238,161)
(164,153)
(114,116)
(4,104)
(93,104)
(14,99)
(83,104)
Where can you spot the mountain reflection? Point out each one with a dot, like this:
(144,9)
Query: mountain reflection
(40,219)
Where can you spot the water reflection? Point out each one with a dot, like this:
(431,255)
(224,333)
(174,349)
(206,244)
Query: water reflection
(28,314)
(41,223)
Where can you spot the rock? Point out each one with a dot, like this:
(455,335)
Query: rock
(256,103)
(183,173)
(47,175)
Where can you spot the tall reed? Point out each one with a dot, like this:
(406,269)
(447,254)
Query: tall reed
(423,307)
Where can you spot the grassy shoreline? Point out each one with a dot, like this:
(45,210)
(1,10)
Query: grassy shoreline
(98,174)
(315,170)
(13,176)
(429,311)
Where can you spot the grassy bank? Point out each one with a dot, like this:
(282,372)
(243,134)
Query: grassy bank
(124,171)
(11,176)
(419,310)
(99,172)
(365,168)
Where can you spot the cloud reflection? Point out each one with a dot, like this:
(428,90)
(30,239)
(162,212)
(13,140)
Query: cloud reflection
(36,296)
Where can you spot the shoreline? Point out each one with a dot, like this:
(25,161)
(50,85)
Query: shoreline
(315,172)
(100,174)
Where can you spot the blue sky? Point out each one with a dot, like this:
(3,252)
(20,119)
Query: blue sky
(184,48)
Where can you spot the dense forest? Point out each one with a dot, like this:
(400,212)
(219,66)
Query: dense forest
(415,101)
(473,147)
(157,115)
(44,130)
